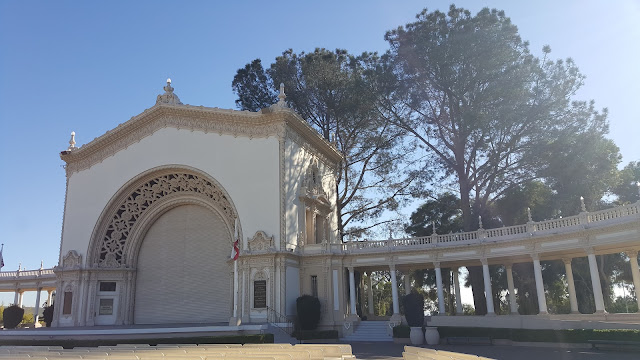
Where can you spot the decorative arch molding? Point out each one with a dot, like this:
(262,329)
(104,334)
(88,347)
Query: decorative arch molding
(118,234)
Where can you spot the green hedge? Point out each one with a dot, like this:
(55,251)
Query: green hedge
(401,331)
(315,334)
(12,316)
(69,344)
(528,335)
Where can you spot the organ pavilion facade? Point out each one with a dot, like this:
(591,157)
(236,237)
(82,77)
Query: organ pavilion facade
(154,206)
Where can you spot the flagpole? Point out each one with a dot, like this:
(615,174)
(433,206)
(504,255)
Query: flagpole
(235,271)
(235,289)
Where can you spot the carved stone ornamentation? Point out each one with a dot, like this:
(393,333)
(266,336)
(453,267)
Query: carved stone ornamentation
(312,184)
(259,275)
(113,241)
(72,260)
(261,242)
(168,97)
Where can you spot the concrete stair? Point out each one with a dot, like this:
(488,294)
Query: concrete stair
(279,336)
(370,331)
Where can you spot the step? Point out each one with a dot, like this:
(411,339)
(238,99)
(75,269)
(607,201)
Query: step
(375,331)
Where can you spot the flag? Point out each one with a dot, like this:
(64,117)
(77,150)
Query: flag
(235,250)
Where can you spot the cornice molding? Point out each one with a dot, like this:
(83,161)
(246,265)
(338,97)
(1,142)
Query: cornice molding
(196,118)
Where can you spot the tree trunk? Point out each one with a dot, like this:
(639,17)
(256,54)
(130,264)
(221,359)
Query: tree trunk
(605,281)
(475,272)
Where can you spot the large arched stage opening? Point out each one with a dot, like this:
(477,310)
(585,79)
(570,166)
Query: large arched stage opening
(165,240)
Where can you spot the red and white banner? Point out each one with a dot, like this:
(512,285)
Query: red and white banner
(235,252)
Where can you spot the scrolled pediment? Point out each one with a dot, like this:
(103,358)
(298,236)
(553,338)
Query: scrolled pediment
(260,242)
(72,260)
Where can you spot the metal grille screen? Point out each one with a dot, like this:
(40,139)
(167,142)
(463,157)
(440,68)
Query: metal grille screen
(182,273)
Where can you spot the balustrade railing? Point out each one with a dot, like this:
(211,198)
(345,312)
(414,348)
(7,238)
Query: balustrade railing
(506,231)
(614,213)
(26,273)
(571,223)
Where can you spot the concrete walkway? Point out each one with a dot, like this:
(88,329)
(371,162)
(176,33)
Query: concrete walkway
(385,351)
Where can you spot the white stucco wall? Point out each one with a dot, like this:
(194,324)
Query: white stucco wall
(293,289)
(246,168)
(297,161)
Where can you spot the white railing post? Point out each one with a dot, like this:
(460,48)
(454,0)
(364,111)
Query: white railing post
(584,215)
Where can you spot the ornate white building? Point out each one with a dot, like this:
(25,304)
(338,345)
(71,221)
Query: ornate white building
(153,207)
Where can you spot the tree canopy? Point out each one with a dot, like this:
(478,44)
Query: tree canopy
(330,90)
(483,108)
(458,101)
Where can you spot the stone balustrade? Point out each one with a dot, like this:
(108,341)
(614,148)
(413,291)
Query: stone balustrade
(26,274)
(584,220)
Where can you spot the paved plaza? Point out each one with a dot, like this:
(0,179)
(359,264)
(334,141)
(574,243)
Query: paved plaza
(388,351)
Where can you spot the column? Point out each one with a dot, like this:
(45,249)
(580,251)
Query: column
(20,298)
(352,291)
(370,294)
(407,283)
(312,236)
(595,281)
(361,292)
(537,271)
(49,292)
(488,293)
(573,300)
(16,297)
(456,284)
(394,290)
(441,310)
(633,260)
(513,305)
(36,311)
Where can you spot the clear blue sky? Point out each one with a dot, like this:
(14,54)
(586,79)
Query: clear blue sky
(86,66)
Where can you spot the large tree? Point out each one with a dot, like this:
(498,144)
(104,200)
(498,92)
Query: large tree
(628,188)
(330,90)
(481,105)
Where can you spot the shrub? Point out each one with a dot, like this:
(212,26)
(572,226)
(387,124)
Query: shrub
(414,309)
(308,308)
(12,316)
(401,331)
(47,315)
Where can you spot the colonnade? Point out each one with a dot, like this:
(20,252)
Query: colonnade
(19,296)
(513,306)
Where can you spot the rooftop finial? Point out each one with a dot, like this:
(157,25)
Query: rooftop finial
(281,96)
(168,97)
(168,88)
(72,142)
